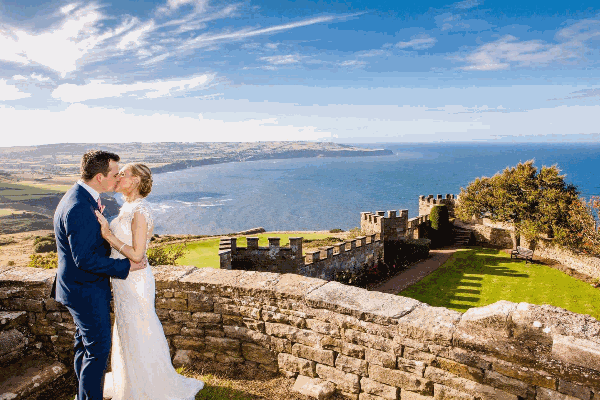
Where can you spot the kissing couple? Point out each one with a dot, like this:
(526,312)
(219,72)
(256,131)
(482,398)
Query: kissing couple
(92,255)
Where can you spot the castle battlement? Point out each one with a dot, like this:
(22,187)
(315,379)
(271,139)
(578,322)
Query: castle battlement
(323,263)
(392,227)
(427,203)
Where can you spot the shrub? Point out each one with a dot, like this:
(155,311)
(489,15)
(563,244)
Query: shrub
(402,253)
(439,229)
(47,238)
(355,232)
(10,263)
(336,230)
(439,218)
(7,240)
(46,261)
(166,255)
(44,246)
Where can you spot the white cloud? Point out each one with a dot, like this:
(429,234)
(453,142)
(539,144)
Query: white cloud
(352,63)
(68,8)
(136,37)
(467,4)
(63,47)
(207,39)
(118,126)
(98,89)
(173,5)
(283,60)
(508,51)
(10,92)
(418,42)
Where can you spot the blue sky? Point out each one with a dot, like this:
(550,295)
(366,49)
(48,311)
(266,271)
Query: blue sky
(342,71)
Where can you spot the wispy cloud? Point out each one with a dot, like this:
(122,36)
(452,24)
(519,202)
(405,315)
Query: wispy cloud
(99,89)
(467,4)
(352,63)
(64,46)
(581,94)
(32,77)
(283,59)
(418,42)
(509,51)
(80,35)
(173,5)
(10,92)
(209,38)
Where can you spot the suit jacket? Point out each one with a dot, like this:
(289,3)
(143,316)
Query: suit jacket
(84,265)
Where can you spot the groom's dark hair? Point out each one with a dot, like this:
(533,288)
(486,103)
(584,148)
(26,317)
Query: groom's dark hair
(96,162)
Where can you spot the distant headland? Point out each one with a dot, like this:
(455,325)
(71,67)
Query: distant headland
(63,159)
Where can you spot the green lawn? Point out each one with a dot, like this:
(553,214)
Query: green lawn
(6,211)
(205,252)
(27,191)
(478,277)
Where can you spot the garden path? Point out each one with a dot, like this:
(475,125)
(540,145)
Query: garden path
(417,272)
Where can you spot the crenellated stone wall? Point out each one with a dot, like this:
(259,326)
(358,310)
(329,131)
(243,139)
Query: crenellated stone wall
(391,228)
(324,263)
(370,345)
(382,232)
(427,203)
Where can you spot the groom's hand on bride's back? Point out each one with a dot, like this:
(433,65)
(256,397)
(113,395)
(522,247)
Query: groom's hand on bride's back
(137,266)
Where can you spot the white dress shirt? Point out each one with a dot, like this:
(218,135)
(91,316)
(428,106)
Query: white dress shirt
(91,190)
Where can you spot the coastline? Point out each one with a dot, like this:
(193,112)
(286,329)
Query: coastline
(185,164)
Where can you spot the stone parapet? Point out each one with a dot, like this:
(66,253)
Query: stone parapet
(392,227)
(369,345)
(427,203)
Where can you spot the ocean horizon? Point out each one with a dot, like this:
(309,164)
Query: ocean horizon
(326,193)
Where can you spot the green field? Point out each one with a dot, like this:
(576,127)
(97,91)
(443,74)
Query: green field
(28,191)
(205,253)
(478,277)
(7,211)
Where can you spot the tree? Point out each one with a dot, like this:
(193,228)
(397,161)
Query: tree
(536,202)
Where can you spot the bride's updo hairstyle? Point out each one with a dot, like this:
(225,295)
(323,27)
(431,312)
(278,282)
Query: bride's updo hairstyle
(145,175)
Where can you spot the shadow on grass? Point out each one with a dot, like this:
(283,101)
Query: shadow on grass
(222,393)
(460,280)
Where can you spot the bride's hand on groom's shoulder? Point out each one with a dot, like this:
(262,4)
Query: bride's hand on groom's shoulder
(104,227)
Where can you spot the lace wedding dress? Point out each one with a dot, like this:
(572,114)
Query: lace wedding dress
(141,362)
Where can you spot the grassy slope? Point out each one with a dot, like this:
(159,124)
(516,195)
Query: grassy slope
(26,191)
(205,253)
(478,277)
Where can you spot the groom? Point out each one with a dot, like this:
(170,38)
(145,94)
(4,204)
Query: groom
(82,282)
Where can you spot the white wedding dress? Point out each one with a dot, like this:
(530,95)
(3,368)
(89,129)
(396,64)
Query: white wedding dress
(141,362)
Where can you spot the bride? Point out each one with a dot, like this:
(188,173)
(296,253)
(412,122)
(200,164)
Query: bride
(141,363)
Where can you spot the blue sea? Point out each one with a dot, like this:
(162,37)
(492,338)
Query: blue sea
(327,193)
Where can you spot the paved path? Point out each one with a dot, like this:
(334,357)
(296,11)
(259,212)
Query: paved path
(417,272)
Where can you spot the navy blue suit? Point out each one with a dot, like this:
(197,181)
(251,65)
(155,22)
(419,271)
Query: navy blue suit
(83,285)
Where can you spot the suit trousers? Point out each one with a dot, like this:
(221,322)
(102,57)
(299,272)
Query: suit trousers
(92,346)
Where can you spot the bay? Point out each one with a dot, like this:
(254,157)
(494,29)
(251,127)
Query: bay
(327,193)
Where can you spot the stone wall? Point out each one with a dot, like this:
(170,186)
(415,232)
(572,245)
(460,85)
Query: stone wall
(427,203)
(370,345)
(273,258)
(499,234)
(582,263)
(488,232)
(391,228)
(349,255)
(382,232)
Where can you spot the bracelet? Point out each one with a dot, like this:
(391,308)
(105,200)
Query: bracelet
(121,248)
